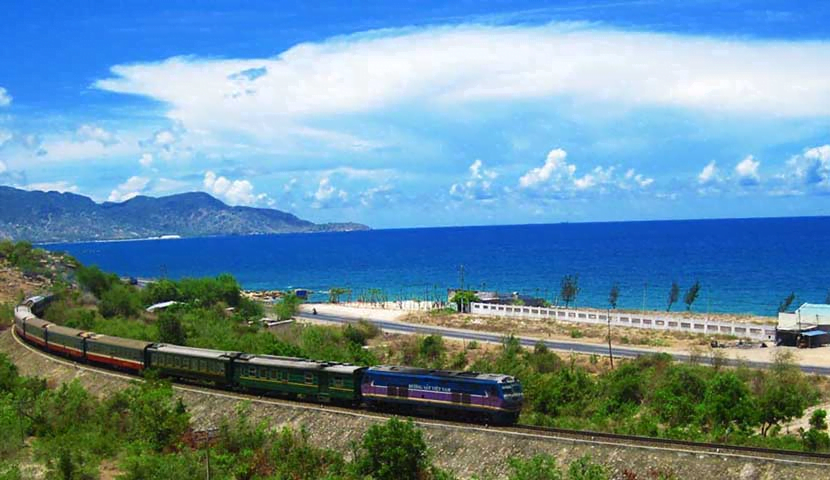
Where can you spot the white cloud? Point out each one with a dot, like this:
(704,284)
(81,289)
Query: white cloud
(555,168)
(709,174)
(2,167)
(478,185)
(559,176)
(235,192)
(96,134)
(327,194)
(60,186)
(289,186)
(375,196)
(133,187)
(5,98)
(449,65)
(5,136)
(810,170)
(146,159)
(746,171)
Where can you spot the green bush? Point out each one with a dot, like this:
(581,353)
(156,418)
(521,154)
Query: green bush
(120,300)
(395,450)
(94,280)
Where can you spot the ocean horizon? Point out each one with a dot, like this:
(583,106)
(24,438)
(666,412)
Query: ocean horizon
(745,265)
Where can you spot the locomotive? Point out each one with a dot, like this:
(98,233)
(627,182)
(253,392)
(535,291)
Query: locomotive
(471,396)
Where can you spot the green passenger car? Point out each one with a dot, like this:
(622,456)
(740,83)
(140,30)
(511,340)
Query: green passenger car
(214,366)
(321,381)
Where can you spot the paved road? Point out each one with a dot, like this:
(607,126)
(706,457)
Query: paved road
(588,348)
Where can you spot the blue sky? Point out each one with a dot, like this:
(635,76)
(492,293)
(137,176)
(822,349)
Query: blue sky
(406,113)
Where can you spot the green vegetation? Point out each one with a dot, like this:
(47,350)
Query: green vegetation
(336,292)
(655,396)
(785,305)
(287,307)
(544,467)
(674,295)
(691,295)
(614,296)
(463,298)
(569,289)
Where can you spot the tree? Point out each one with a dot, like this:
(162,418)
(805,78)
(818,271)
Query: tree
(569,289)
(785,305)
(287,308)
(463,298)
(614,295)
(335,293)
(121,300)
(691,295)
(727,403)
(674,295)
(94,280)
(395,450)
(783,393)
(171,329)
(816,437)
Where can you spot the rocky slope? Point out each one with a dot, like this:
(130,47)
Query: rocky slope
(59,217)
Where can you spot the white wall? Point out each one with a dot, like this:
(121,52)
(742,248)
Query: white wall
(653,322)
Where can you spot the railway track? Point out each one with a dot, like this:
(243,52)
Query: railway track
(747,453)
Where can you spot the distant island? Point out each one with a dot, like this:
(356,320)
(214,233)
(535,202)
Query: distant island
(67,217)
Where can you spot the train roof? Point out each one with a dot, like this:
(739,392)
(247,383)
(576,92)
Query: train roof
(37,322)
(118,341)
(72,332)
(449,374)
(193,352)
(299,363)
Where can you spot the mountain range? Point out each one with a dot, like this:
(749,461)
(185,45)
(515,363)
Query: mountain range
(67,217)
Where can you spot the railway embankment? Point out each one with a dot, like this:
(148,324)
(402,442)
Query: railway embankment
(466,450)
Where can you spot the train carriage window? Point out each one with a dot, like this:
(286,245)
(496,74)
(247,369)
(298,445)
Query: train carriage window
(309,378)
(251,371)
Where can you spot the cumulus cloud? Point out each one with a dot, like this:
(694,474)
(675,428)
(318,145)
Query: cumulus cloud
(555,170)
(709,174)
(478,185)
(810,170)
(559,176)
(639,179)
(133,187)
(235,192)
(96,134)
(746,171)
(5,98)
(5,136)
(327,195)
(2,167)
(146,159)
(375,196)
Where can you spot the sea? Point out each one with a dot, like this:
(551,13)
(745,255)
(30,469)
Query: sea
(743,265)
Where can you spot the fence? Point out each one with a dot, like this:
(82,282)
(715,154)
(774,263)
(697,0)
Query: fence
(620,319)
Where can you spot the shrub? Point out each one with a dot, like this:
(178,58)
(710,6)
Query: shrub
(393,451)
(120,300)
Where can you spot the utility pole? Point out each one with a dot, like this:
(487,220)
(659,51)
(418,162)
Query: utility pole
(645,289)
(461,275)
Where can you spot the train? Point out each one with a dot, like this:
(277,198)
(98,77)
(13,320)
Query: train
(460,395)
